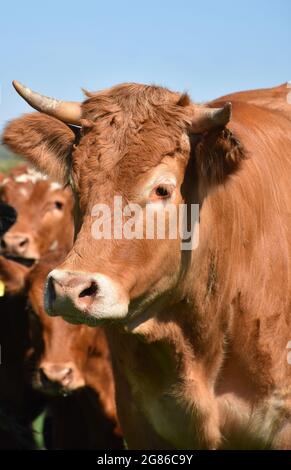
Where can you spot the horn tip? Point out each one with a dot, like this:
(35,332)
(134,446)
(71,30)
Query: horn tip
(228,105)
(228,109)
(17,85)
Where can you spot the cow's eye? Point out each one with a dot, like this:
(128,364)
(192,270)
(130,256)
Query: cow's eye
(162,192)
(59,205)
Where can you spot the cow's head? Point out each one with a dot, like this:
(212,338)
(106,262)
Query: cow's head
(44,223)
(62,353)
(145,144)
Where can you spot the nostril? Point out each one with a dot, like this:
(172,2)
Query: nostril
(68,373)
(51,289)
(50,296)
(23,243)
(55,375)
(89,291)
(43,377)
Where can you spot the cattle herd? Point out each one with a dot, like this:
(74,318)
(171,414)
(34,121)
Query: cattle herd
(136,342)
(47,364)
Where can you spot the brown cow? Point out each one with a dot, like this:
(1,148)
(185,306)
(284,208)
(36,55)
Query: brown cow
(273,98)
(198,338)
(44,223)
(72,361)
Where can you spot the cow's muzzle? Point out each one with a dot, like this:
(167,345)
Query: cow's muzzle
(19,247)
(59,378)
(84,298)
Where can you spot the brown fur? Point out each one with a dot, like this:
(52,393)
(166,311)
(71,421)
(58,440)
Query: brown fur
(200,365)
(90,419)
(47,138)
(272,98)
(45,225)
(37,218)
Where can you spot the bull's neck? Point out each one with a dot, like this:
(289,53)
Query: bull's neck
(162,358)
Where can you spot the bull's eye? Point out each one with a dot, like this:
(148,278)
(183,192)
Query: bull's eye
(59,205)
(162,192)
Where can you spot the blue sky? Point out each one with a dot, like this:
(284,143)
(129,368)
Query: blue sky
(206,47)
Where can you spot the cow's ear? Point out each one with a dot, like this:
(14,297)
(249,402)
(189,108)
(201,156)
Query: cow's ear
(44,141)
(218,154)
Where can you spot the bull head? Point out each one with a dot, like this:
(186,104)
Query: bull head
(204,118)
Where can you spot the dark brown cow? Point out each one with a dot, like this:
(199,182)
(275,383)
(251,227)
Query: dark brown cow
(72,361)
(198,338)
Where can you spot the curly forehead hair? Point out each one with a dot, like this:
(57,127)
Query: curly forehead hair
(144,121)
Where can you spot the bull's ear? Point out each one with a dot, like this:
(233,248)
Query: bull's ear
(218,154)
(44,141)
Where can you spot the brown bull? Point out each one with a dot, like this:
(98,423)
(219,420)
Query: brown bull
(198,338)
(72,366)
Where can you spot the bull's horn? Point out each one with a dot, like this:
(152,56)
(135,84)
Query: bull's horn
(67,111)
(208,118)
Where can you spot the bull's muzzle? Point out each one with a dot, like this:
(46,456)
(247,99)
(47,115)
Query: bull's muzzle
(84,297)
